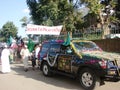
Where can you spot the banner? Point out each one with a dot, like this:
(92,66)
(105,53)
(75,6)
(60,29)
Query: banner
(43,30)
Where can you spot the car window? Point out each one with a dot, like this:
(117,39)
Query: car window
(45,47)
(86,46)
(54,48)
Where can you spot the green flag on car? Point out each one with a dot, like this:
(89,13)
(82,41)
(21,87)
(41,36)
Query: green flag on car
(67,41)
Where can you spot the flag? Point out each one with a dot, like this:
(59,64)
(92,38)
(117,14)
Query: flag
(30,45)
(67,41)
(9,42)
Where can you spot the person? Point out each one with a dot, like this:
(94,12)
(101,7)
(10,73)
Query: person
(5,63)
(11,57)
(25,56)
(37,49)
(33,59)
(1,48)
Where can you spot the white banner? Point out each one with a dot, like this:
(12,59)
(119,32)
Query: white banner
(43,30)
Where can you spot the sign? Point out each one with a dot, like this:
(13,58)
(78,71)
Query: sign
(44,30)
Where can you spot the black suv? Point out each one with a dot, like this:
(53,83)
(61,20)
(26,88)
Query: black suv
(83,60)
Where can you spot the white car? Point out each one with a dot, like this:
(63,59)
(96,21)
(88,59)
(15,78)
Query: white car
(113,36)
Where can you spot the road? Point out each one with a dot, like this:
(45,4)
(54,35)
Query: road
(17,79)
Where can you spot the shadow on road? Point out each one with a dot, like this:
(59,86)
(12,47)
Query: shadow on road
(56,80)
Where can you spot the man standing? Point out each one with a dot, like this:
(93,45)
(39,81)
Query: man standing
(5,63)
(25,54)
(37,49)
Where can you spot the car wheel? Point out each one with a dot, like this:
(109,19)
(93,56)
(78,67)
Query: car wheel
(88,79)
(46,69)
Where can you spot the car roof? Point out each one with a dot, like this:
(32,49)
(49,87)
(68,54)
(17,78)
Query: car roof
(53,42)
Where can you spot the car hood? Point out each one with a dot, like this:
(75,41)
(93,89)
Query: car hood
(102,54)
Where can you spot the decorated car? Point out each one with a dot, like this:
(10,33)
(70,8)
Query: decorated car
(83,60)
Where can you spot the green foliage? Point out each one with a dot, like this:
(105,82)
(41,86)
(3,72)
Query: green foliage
(66,13)
(94,5)
(24,21)
(104,7)
(55,12)
(113,19)
(8,29)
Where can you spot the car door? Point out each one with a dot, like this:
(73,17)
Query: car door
(65,59)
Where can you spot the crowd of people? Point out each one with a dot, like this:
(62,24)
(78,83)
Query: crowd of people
(7,56)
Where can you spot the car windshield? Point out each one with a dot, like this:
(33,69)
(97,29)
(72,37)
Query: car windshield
(86,46)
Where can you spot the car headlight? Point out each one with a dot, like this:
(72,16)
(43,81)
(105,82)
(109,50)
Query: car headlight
(103,64)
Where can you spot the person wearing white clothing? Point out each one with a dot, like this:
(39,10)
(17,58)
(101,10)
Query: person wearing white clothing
(37,49)
(25,54)
(5,63)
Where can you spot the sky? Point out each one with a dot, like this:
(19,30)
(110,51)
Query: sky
(14,11)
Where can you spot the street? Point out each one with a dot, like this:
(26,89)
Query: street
(17,79)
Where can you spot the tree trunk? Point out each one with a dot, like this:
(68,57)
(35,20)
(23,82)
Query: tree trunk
(104,26)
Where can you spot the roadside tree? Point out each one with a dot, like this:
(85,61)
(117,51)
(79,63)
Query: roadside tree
(8,29)
(56,12)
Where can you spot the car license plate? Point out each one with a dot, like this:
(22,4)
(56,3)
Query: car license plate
(111,72)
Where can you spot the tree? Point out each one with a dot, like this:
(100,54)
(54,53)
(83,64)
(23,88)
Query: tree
(24,21)
(66,12)
(104,10)
(55,12)
(8,29)
(118,9)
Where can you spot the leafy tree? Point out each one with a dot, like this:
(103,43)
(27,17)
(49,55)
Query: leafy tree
(24,21)
(8,29)
(102,10)
(117,8)
(66,12)
(55,12)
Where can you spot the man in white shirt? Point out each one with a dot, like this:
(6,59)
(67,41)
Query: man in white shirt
(25,54)
(5,67)
(37,49)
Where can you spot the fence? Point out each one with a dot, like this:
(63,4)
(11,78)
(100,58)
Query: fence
(89,35)
(110,45)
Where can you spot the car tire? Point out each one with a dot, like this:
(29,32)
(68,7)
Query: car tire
(46,69)
(88,79)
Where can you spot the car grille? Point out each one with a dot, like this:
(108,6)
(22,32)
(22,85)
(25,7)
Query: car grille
(117,63)
(114,67)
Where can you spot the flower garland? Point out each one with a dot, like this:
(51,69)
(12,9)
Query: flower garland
(76,50)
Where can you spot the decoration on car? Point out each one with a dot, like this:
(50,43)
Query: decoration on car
(78,53)
(103,54)
(64,63)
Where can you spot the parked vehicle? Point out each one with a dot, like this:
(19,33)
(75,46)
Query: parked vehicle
(83,60)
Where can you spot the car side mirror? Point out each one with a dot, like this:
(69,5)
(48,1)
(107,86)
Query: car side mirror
(69,51)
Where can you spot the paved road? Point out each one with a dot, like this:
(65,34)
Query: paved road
(17,79)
